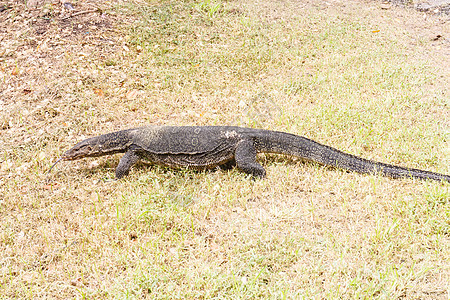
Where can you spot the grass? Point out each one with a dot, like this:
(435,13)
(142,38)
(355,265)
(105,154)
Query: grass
(341,75)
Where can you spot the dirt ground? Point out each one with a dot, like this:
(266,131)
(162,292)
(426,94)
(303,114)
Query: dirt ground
(430,6)
(41,32)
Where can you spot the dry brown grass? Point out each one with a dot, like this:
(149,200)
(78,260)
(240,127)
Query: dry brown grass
(368,81)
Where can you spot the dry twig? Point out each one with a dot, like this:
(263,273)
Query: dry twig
(82,12)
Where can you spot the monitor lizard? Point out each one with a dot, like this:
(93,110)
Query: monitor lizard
(206,147)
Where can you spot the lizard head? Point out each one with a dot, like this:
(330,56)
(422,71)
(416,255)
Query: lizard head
(83,149)
(97,146)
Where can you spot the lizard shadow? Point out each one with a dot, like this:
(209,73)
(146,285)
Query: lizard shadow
(110,164)
(267,159)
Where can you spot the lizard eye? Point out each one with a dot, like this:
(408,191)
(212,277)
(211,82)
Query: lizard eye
(85,148)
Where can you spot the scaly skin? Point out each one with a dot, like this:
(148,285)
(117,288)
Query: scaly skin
(205,147)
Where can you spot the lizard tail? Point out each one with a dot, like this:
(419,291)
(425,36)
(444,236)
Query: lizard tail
(290,144)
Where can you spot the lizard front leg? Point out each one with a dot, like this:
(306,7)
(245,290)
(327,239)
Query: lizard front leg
(126,162)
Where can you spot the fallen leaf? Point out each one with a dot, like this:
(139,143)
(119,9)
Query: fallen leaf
(132,94)
(15,71)
(51,186)
(385,5)
(99,92)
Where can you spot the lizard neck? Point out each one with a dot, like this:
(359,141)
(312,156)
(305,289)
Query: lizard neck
(113,142)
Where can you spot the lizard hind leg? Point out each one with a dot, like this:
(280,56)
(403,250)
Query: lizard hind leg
(126,162)
(245,157)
